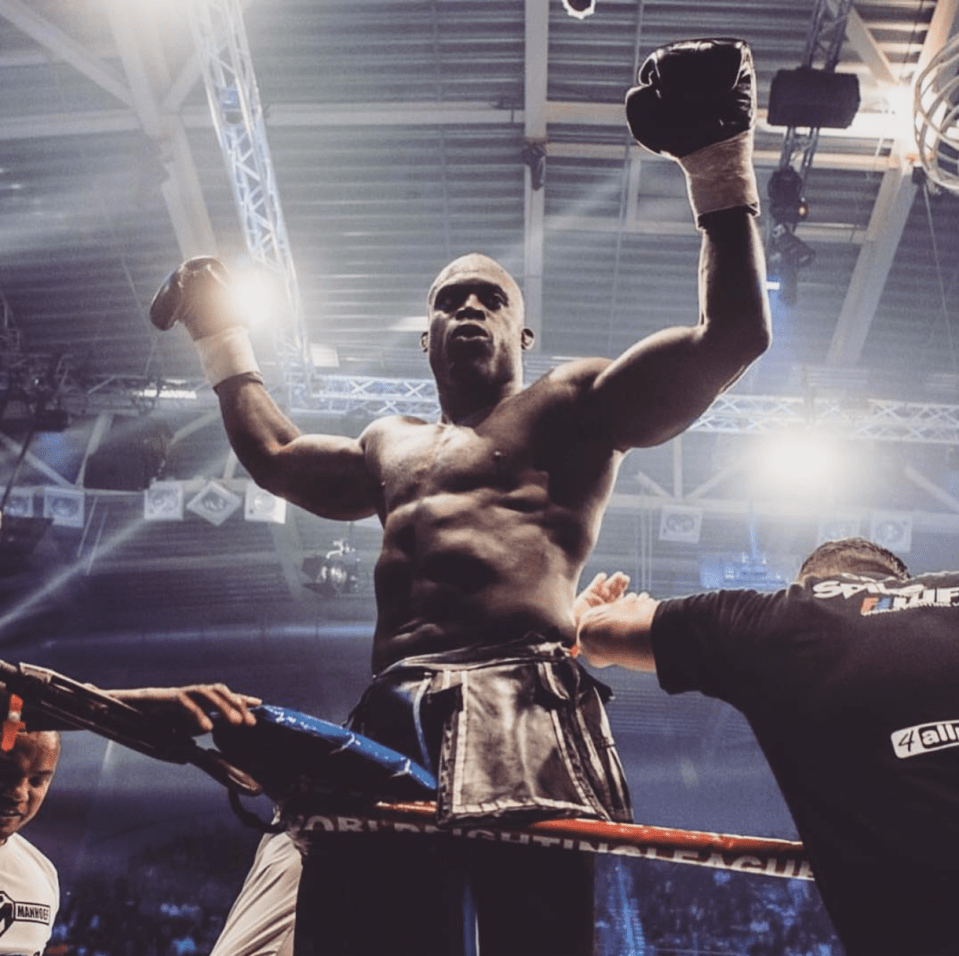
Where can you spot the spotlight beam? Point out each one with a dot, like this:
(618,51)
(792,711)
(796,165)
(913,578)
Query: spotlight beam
(58,582)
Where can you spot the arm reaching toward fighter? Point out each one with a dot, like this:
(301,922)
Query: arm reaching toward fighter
(603,589)
(612,627)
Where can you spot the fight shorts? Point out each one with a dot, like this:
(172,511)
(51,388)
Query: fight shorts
(513,733)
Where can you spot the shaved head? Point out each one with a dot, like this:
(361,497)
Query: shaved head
(476,266)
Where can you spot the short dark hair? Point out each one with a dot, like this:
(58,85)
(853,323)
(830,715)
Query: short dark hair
(853,555)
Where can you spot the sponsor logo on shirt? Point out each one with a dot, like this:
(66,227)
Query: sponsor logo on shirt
(11,911)
(879,597)
(925,738)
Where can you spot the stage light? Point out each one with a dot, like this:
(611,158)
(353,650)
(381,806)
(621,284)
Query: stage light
(786,255)
(892,530)
(260,505)
(130,456)
(163,501)
(214,503)
(786,201)
(336,572)
(64,506)
(680,524)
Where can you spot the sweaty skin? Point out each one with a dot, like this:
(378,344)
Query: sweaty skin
(490,514)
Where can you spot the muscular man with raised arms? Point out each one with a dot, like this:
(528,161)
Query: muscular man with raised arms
(489,516)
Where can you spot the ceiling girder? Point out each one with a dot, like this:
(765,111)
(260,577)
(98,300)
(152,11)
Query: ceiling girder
(147,74)
(65,48)
(889,215)
(534,134)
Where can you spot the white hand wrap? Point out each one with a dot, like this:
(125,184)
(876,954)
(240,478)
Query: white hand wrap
(721,176)
(225,354)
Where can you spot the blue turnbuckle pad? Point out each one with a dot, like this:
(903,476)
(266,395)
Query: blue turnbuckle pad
(287,751)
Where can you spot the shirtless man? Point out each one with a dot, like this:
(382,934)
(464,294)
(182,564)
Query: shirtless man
(489,516)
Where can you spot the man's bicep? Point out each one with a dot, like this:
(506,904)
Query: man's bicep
(328,475)
(325,474)
(658,387)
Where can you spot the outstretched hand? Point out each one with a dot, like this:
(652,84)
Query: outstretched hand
(192,704)
(617,632)
(603,589)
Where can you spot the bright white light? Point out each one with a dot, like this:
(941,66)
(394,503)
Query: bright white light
(797,462)
(901,119)
(258,297)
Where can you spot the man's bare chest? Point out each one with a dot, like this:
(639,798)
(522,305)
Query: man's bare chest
(428,460)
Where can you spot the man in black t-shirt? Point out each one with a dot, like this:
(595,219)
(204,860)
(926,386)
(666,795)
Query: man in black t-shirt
(850,681)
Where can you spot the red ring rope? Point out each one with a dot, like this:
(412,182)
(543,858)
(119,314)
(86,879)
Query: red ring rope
(760,855)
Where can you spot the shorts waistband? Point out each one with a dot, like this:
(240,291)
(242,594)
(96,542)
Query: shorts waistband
(531,647)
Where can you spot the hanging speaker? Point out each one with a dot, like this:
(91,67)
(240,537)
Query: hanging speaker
(813,98)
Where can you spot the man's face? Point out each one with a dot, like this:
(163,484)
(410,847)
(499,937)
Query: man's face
(26,772)
(476,321)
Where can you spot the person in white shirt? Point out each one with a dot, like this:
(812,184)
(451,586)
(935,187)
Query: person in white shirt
(29,889)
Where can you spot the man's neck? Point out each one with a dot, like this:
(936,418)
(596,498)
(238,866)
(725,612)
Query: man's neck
(470,407)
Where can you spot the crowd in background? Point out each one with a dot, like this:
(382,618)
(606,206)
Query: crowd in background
(171,900)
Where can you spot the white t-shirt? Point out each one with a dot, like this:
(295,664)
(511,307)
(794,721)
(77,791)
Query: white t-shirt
(29,898)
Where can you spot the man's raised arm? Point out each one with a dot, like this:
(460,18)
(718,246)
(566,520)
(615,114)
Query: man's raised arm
(325,474)
(695,103)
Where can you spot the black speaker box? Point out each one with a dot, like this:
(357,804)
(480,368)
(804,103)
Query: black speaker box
(813,98)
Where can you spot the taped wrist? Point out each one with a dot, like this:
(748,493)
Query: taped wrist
(721,176)
(226,354)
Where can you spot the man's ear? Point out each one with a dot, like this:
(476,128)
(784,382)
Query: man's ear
(425,341)
(527,338)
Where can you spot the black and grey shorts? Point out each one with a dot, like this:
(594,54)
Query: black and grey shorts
(513,732)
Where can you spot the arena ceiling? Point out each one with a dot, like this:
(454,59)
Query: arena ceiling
(399,135)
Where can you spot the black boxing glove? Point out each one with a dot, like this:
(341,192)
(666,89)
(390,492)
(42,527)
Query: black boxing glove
(179,294)
(696,102)
(198,295)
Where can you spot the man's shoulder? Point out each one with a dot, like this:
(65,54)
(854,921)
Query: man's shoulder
(19,848)
(576,371)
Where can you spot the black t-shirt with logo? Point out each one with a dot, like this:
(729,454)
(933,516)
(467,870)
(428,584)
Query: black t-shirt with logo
(851,685)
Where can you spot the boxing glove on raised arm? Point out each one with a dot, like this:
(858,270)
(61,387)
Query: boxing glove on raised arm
(696,102)
(198,295)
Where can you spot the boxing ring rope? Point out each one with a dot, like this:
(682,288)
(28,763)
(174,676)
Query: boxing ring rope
(85,707)
(759,856)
